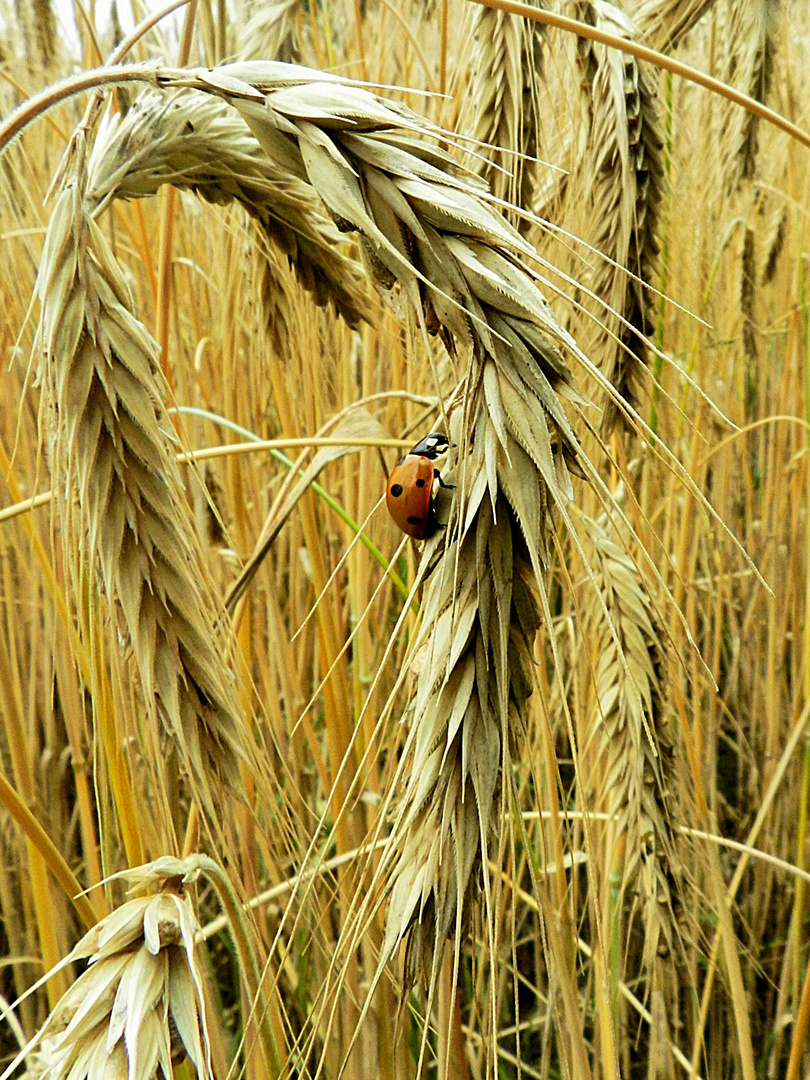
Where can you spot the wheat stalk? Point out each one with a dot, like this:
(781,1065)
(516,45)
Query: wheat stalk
(622,173)
(121,496)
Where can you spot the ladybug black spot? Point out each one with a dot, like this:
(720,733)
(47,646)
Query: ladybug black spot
(420,483)
(396,490)
(414,520)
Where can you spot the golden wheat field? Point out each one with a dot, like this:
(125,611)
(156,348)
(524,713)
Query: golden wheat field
(285,791)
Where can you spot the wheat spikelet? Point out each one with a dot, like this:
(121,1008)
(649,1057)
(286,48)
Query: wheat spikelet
(629,734)
(623,175)
(272,31)
(473,676)
(663,24)
(121,495)
(507,64)
(139,1005)
(195,142)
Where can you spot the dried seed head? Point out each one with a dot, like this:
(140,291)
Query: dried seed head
(507,64)
(139,1004)
(195,142)
(662,24)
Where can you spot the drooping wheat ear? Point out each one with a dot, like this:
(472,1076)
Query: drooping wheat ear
(196,142)
(507,63)
(630,738)
(139,1005)
(120,494)
(749,65)
(472,677)
(663,24)
(426,228)
(623,176)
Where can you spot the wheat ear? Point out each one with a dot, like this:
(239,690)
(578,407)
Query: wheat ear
(749,65)
(508,64)
(272,30)
(623,171)
(139,1004)
(630,738)
(121,496)
(426,228)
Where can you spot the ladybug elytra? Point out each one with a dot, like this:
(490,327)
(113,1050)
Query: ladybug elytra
(409,495)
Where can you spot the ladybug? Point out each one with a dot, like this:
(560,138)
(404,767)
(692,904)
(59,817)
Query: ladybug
(409,495)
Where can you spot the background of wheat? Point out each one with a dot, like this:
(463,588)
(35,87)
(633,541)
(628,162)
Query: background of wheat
(648,917)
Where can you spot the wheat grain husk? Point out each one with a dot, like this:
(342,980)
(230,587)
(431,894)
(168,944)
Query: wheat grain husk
(630,737)
(196,143)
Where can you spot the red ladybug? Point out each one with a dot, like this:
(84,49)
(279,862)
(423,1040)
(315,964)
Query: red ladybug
(409,495)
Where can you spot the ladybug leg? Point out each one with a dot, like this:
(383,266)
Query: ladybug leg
(438,476)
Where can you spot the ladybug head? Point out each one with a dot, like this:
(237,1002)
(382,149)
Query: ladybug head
(431,446)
